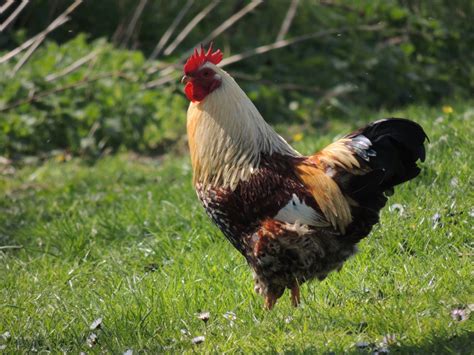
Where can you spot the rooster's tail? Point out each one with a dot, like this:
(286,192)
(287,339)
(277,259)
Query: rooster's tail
(396,146)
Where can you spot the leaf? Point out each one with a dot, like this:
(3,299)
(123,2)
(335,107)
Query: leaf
(398,13)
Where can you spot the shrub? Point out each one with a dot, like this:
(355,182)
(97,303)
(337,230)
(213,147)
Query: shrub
(86,115)
(420,53)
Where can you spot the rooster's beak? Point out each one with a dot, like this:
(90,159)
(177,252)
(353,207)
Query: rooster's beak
(185,79)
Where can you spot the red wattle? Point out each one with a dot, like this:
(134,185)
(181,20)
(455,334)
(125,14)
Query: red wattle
(189,90)
(195,92)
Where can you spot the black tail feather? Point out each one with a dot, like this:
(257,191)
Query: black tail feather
(398,144)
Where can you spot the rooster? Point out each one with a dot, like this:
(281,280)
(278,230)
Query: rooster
(293,217)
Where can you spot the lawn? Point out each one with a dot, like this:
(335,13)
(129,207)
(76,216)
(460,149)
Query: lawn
(118,255)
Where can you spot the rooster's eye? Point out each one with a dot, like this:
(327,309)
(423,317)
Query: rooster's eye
(206,73)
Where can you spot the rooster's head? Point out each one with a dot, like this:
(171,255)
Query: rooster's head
(200,75)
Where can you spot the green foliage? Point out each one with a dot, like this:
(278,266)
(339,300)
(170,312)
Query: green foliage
(126,240)
(421,52)
(106,107)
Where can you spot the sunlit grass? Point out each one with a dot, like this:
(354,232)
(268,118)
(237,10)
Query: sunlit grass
(126,240)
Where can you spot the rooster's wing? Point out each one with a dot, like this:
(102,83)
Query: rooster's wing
(351,178)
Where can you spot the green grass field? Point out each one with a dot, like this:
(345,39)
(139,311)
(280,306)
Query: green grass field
(125,240)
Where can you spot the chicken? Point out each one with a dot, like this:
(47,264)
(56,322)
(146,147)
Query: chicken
(293,217)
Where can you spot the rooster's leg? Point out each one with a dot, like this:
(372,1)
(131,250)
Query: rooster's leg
(270,301)
(295,296)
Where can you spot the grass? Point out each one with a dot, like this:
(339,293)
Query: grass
(126,240)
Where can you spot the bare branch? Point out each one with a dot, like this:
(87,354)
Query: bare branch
(290,14)
(25,45)
(166,74)
(70,9)
(18,49)
(28,54)
(133,22)
(166,36)
(227,23)
(217,31)
(338,90)
(159,82)
(37,96)
(284,86)
(189,27)
(393,41)
(118,33)
(5,6)
(345,7)
(60,20)
(284,43)
(169,69)
(33,47)
(73,67)
(13,15)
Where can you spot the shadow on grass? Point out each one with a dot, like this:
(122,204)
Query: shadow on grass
(457,344)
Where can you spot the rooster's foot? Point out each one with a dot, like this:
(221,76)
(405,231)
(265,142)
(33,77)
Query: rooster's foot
(270,301)
(295,296)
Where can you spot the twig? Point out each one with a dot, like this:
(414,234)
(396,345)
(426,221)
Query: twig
(73,67)
(345,7)
(283,86)
(166,36)
(13,15)
(393,41)
(74,85)
(216,32)
(60,20)
(339,90)
(18,49)
(66,12)
(5,6)
(23,46)
(227,23)
(169,69)
(28,54)
(133,22)
(286,42)
(290,14)
(118,33)
(159,82)
(95,126)
(166,74)
(189,27)
(32,48)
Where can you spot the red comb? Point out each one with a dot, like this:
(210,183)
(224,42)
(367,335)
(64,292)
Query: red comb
(199,58)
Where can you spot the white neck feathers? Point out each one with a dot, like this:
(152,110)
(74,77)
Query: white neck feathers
(227,136)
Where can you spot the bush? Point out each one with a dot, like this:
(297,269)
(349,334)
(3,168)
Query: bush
(111,112)
(421,53)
